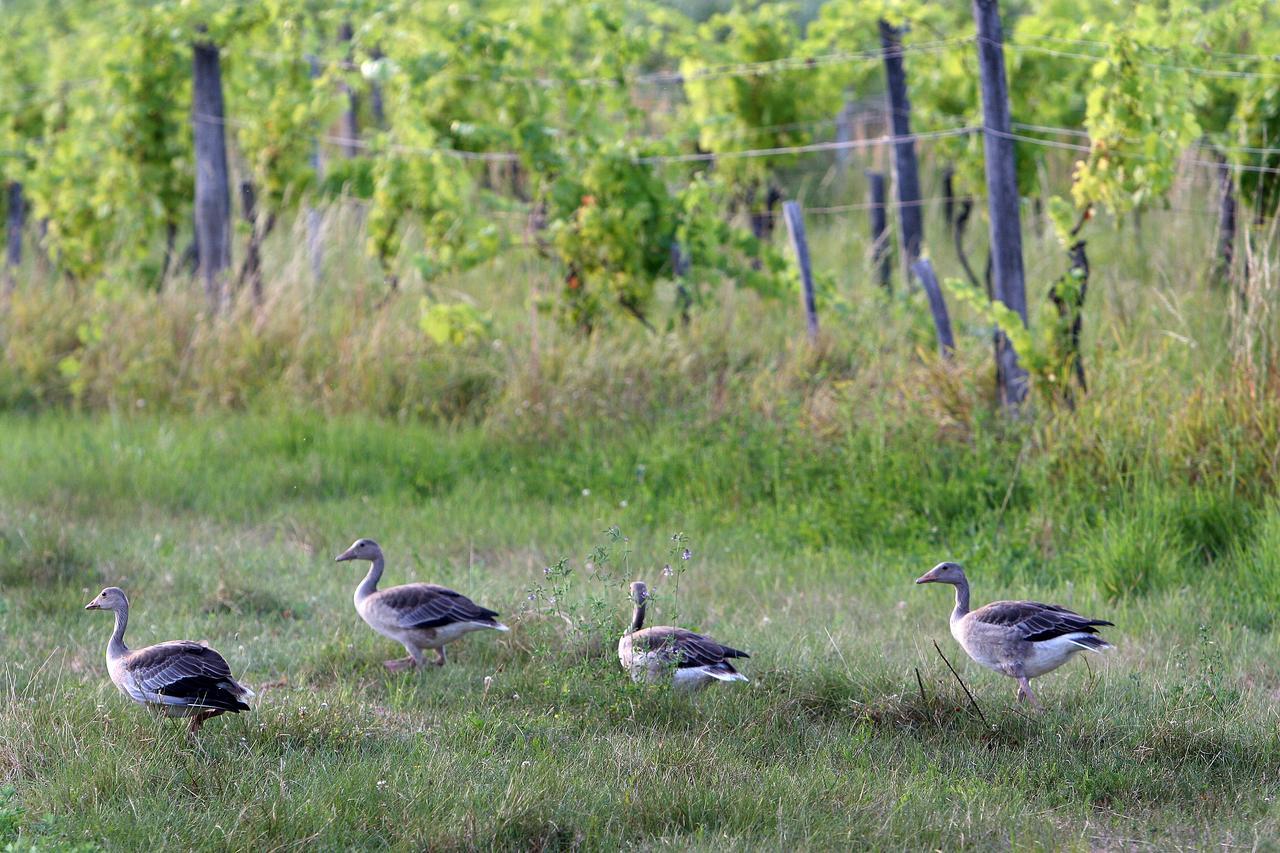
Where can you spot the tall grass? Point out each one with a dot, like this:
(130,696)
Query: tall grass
(213,467)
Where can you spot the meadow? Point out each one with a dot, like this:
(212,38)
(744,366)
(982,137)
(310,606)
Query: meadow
(214,469)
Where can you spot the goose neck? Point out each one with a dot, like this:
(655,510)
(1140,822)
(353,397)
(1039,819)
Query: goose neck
(637,618)
(115,646)
(369,585)
(962,600)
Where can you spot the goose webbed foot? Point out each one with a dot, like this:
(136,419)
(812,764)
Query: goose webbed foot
(440,659)
(399,664)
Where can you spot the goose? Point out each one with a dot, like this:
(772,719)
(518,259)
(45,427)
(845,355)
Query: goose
(1020,639)
(178,678)
(654,654)
(416,615)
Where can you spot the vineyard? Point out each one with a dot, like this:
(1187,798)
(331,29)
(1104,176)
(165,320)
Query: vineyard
(773,305)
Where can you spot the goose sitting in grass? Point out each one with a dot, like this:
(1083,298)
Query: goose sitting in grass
(416,615)
(655,654)
(179,678)
(1020,639)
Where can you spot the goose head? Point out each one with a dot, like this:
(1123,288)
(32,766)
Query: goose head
(639,592)
(361,549)
(111,598)
(950,573)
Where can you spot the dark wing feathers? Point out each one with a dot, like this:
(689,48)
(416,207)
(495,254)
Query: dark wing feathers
(686,648)
(190,671)
(1037,621)
(423,605)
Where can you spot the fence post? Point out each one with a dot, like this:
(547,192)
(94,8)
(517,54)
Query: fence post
(1002,194)
(1224,262)
(349,125)
(906,175)
(16,216)
(800,245)
(923,270)
(251,271)
(315,221)
(680,271)
(213,195)
(879,229)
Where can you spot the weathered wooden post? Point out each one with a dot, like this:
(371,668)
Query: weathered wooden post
(251,270)
(1002,194)
(923,270)
(349,124)
(1224,262)
(213,195)
(879,229)
(906,175)
(679,271)
(800,245)
(315,220)
(15,217)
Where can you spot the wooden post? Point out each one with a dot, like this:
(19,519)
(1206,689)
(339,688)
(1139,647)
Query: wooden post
(1224,261)
(251,271)
(800,245)
(349,124)
(879,229)
(213,195)
(315,221)
(1071,317)
(1002,194)
(16,216)
(923,270)
(906,175)
(680,271)
(844,134)
(376,104)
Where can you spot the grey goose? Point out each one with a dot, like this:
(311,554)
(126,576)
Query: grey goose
(178,678)
(691,661)
(1020,639)
(416,615)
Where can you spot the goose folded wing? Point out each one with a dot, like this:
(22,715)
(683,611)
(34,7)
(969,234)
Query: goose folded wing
(688,649)
(426,606)
(1035,621)
(185,673)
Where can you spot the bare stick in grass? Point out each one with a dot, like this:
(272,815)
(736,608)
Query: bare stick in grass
(963,686)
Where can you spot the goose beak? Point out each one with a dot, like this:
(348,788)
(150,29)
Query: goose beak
(93,605)
(927,577)
(345,556)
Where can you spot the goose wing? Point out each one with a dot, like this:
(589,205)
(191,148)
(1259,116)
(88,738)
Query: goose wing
(1035,621)
(185,673)
(427,605)
(685,648)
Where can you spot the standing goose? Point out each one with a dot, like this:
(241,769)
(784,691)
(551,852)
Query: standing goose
(691,660)
(178,678)
(416,615)
(1020,639)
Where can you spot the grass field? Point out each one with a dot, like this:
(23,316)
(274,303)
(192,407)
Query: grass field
(214,472)
(225,530)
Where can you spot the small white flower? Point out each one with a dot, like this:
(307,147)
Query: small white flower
(382,783)
(622,503)
(586,493)
(666,571)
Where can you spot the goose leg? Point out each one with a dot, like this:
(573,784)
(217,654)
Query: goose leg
(198,720)
(1024,692)
(439,661)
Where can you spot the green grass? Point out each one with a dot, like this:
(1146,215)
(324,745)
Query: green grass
(803,552)
(214,469)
